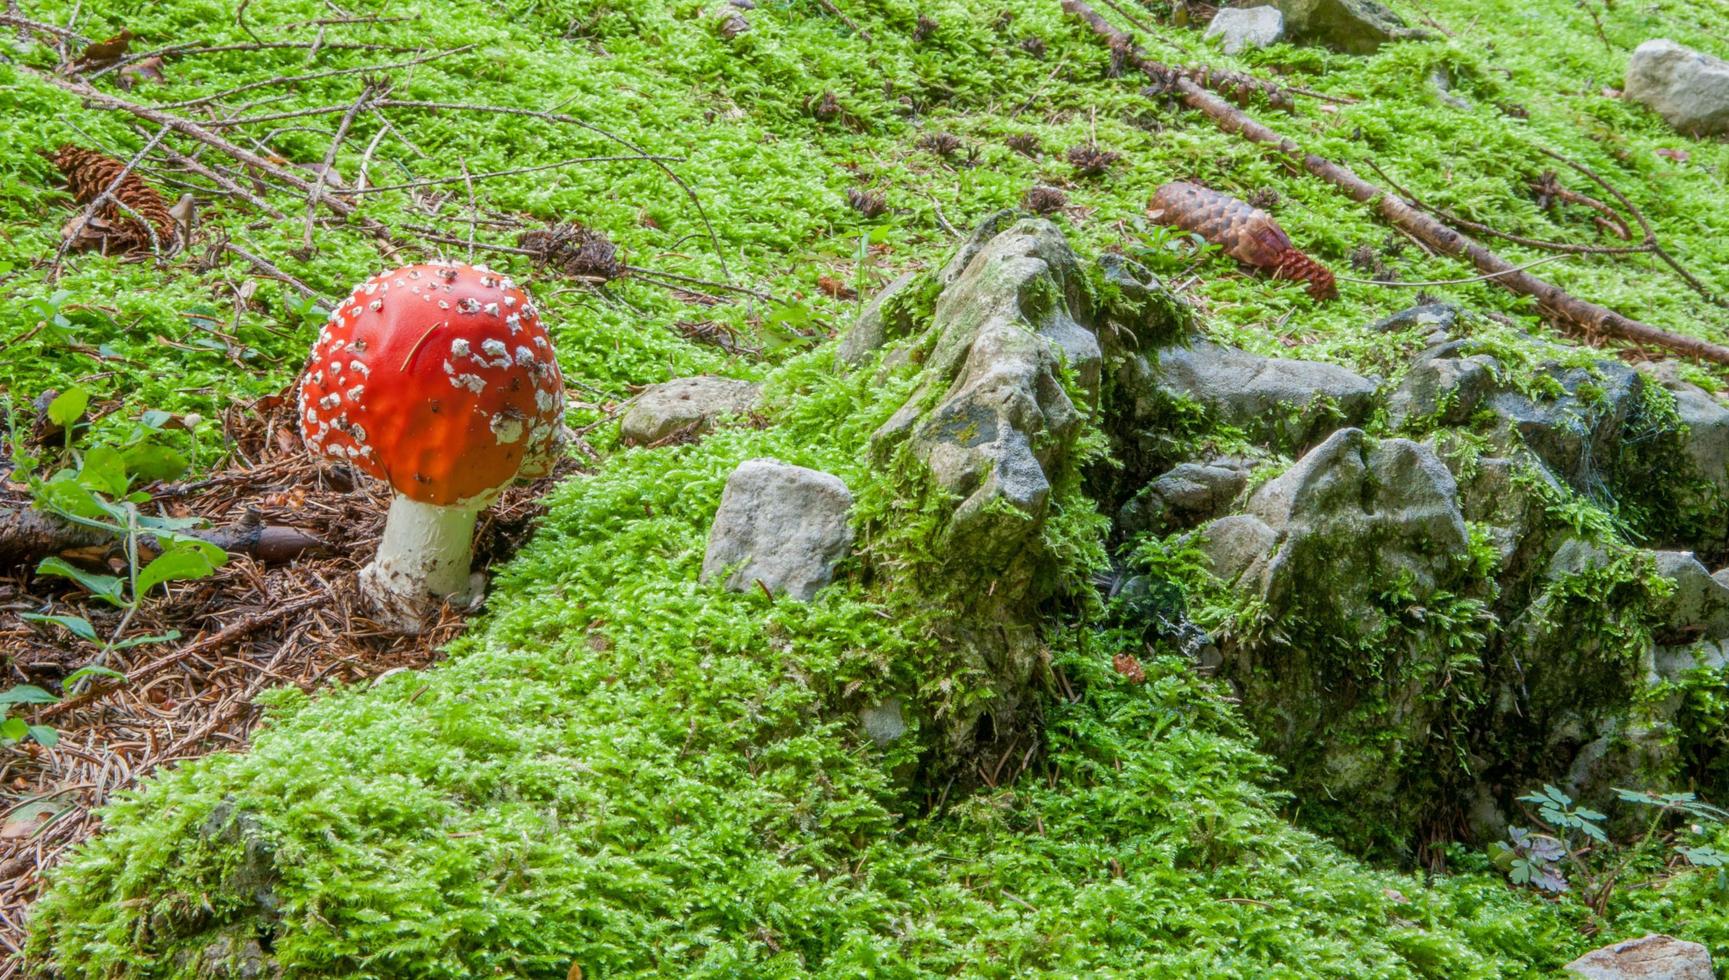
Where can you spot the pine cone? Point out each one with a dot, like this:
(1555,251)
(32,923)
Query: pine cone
(89,173)
(1247,234)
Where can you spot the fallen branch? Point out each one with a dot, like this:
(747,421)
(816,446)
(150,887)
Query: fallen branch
(1581,317)
(27,534)
(317,192)
(264,266)
(829,6)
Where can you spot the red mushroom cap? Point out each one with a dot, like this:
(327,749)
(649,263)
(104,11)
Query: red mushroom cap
(438,378)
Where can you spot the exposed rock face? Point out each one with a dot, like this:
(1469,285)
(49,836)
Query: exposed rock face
(1187,495)
(1685,87)
(1276,400)
(1338,550)
(1648,958)
(783,526)
(1351,26)
(1247,27)
(1011,368)
(885,318)
(666,408)
(1005,329)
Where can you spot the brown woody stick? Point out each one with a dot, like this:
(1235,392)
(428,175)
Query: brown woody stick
(1571,313)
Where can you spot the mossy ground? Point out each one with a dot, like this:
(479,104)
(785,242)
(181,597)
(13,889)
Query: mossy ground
(627,770)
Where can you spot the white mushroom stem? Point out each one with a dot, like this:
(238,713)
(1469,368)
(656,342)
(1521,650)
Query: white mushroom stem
(424,559)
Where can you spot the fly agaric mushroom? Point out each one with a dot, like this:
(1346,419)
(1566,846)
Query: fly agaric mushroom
(439,379)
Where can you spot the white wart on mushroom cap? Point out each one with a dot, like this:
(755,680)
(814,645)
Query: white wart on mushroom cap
(438,378)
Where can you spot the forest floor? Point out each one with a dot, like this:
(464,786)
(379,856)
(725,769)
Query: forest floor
(759,184)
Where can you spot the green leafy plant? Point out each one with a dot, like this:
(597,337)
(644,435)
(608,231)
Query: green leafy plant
(1573,852)
(96,493)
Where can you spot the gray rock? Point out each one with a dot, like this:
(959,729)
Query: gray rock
(1351,26)
(1578,432)
(1685,87)
(1185,496)
(1722,576)
(1434,319)
(1276,400)
(1237,543)
(1648,958)
(884,319)
(1707,421)
(664,409)
(1005,327)
(784,526)
(883,721)
(1320,547)
(1010,365)
(1441,390)
(1247,27)
(1698,609)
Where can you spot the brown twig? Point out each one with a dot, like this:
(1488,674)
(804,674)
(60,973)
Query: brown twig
(264,266)
(317,192)
(829,6)
(192,130)
(1580,316)
(1644,225)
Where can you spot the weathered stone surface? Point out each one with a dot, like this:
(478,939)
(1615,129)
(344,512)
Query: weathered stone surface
(1247,27)
(1698,609)
(1435,320)
(1685,87)
(1442,388)
(1276,400)
(1576,433)
(884,319)
(1647,958)
(665,408)
(1351,26)
(1351,513)
(1321,547)
(1010,365)
(1185,496)
(1005,328)
(784,526)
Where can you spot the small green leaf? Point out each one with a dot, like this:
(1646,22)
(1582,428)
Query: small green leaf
(77,624)
(45,735)
(91,670)
(151,461)
(26,694)
(135,641)
(104,471)
(68,406)
(13,729)
(181,561)
(104,587)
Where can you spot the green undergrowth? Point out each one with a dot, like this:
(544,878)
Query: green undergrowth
(632,771)
(622,768)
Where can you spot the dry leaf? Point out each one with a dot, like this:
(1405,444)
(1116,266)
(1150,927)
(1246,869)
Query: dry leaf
(835,288)
(1129,667)
(148,69)
(1679,156)
(101,54)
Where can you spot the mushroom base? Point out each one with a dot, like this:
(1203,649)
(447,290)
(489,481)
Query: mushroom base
(422,562)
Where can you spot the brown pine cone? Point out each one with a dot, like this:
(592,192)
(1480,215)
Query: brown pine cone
(89,173)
